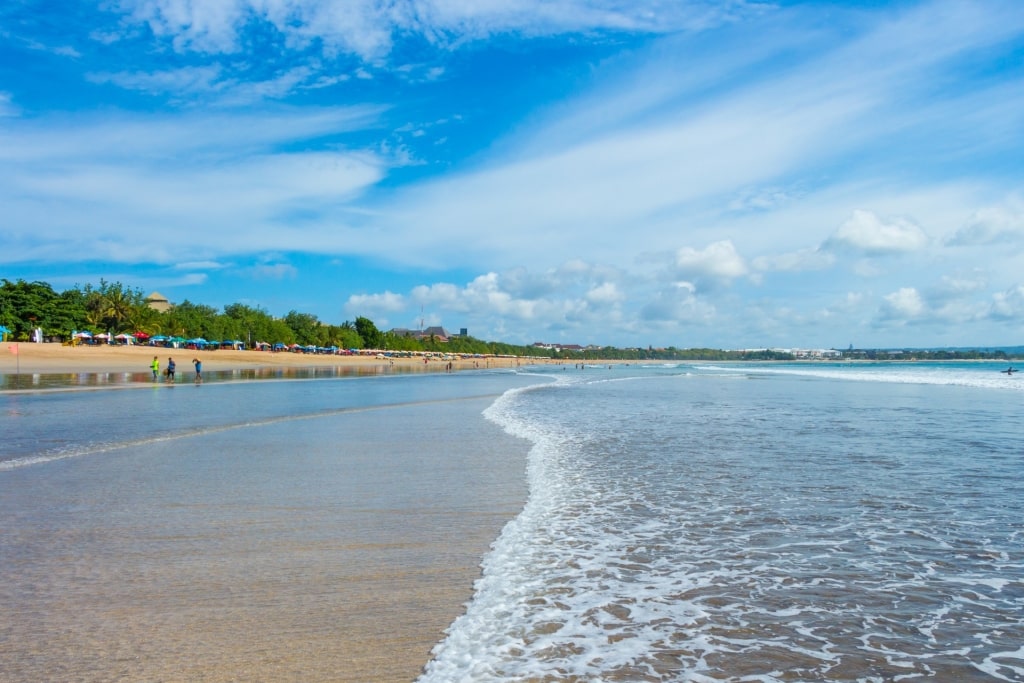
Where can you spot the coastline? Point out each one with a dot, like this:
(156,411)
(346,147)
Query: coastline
(28,358)
(367,599)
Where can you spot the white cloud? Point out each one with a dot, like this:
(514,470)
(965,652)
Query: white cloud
(368,304)
(114,190)
(807,259)
(604,294)
(992,225)
(865,232)
(200,265)
(367,28)
(1009,305)
(677,304)
(716,262)
(905,303)
(199,79)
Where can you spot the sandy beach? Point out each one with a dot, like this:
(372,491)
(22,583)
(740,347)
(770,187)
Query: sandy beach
(365,606)
(28,358)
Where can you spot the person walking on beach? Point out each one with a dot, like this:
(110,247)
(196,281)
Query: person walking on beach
(170,369)
(155,366)
(199,369)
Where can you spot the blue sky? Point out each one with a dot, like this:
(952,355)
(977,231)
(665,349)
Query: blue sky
(673,172)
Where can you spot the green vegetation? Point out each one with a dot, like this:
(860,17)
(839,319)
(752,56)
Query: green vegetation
(116,308)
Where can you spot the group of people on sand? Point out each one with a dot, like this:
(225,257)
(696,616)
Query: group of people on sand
(169,371)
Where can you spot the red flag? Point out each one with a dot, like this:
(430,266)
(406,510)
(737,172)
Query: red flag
(13,349)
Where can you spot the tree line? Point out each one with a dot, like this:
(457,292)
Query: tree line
(116,308)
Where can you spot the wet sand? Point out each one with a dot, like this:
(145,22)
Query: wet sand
(139,564)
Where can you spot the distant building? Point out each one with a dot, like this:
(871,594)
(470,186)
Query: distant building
(436,332)
(158,302)
(576,348)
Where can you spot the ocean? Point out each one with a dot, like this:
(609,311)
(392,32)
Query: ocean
(805,522)
(682,522)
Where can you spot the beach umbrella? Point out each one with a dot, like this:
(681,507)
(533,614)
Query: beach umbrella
(3,329)
(83,335)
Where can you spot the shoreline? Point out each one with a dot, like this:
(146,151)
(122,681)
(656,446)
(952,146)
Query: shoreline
(377,583)
(53,358)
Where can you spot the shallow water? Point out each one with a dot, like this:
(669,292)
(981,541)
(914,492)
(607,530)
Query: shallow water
(275,531)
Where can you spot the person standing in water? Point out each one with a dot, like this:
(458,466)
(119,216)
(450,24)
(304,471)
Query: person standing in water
(155,366)
(170,369)
(199,369)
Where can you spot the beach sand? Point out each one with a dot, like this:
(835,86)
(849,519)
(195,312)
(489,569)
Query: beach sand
(28,358)
(355,608)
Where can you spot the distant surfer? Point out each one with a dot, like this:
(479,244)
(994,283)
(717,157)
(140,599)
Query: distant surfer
(1009,371)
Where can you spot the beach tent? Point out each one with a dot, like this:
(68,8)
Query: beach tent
(82,335)
(3,330)
(125,338)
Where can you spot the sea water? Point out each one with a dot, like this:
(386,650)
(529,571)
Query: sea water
(803,522)
(684,522)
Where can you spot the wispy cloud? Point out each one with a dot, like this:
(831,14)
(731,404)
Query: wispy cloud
(368,29)
(745,171)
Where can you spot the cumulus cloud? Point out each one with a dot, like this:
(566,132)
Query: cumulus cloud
(676,304)
(718,262)
(906,303)
(367,304)
(867,233)
(992,225)
(604,294)
(1008,305)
